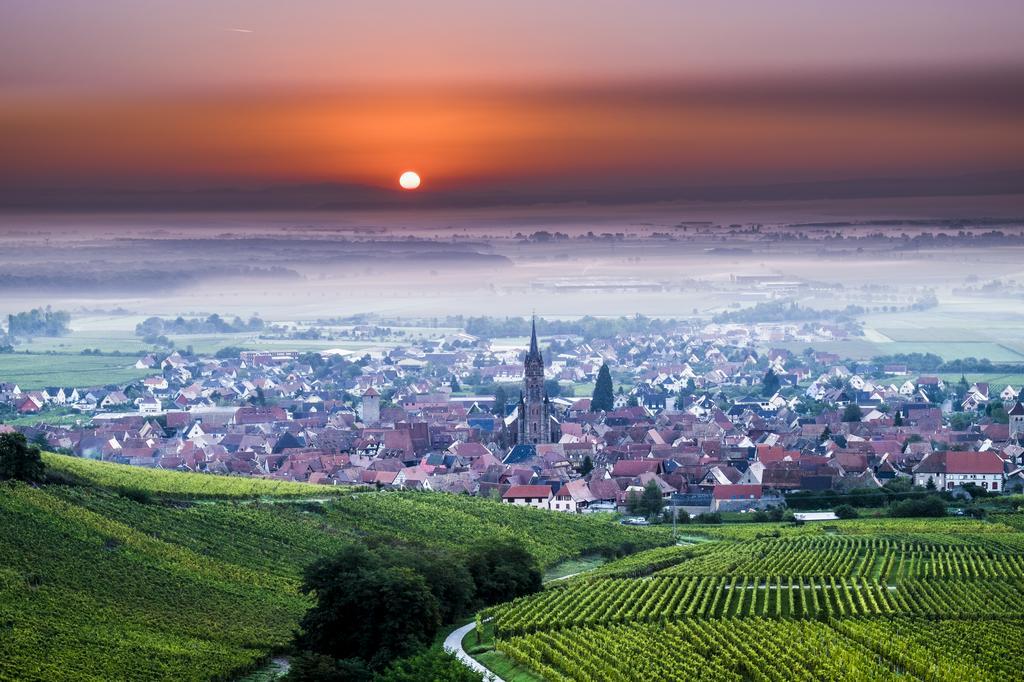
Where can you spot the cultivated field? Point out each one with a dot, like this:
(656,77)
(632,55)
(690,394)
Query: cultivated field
(932,599)
(31,371)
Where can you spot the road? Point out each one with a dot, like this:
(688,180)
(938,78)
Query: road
(453,644)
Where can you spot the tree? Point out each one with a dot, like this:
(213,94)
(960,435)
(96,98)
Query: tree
(433,665)
(587,465)
(852,413)
(691,387)
(310,667)
(552,388)
(826,433)
(770,384)
(20,461)
(652,500)
(932,505)
(366,610)
(634,504)
(603,399)
(897,419)
(455,384)
(502,569)
(446,575)
(845,511)
(500,400)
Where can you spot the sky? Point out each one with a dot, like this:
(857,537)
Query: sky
(140,100)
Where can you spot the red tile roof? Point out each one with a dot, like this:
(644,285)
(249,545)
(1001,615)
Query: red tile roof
(518,491)
(961,463)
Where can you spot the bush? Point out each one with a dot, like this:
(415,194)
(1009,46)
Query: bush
(20,461)
(930,506)
(708,517)
(845,511)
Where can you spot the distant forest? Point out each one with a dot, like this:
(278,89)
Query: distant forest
(214,324)
(930,362)
(784,311)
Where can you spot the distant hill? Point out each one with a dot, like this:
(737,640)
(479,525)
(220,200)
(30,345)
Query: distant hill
(124,574)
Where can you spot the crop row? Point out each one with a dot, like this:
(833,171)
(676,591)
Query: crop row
(883,559)
(598,602)
(771,651)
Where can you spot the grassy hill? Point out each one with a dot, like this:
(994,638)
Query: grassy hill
(132,574)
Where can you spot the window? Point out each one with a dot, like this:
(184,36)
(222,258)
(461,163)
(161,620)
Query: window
(995,485)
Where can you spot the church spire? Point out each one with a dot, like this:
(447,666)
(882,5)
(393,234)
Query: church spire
(534,349)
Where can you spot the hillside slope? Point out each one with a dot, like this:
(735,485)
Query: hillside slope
(105,583)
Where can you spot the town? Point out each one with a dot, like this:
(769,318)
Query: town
(703,417)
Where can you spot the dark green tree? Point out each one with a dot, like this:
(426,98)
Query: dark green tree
(433,665)
(502,569)
(500,399)
(652,500)
(455,384)
(366,610)
(852,413)
(587,465)
(603,399)
(20,461)
(897,419)
(845,511)
(552,388)
(770,384)
(311,667)
(446,575)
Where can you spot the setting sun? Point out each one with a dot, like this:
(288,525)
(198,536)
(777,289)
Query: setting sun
(409,180)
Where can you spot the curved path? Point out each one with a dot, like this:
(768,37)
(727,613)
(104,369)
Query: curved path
(453,644)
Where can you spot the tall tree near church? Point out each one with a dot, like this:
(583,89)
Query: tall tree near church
(603,399)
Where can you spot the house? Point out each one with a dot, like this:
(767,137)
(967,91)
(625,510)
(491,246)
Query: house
(149,405)
(573,497)
(536,496)
(947,470)
(735,497)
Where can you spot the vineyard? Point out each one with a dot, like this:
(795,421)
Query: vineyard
(97,583)
(177,484)
(935,599)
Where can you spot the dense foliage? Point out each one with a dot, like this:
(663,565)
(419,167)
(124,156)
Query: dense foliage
(20,461)
(38,322)
(603,399)
(373,607)
(214,324)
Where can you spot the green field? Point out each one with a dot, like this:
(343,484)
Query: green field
(862,349)
(996,382)
(38,371)
(933,599)
(124,576)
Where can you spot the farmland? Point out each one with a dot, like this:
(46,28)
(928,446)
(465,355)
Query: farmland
(874,599)
(130,573)
(32,371)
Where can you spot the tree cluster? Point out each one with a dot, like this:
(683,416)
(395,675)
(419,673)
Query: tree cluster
(20,461)
(38,322)
(378,609)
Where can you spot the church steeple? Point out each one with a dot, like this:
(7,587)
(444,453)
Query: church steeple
(534,348)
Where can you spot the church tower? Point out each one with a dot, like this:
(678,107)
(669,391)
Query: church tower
(534,407)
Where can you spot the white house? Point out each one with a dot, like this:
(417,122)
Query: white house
(947,470)
(573,497)
(536,496)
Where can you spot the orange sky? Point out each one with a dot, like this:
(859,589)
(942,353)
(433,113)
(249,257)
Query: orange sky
(516,98)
